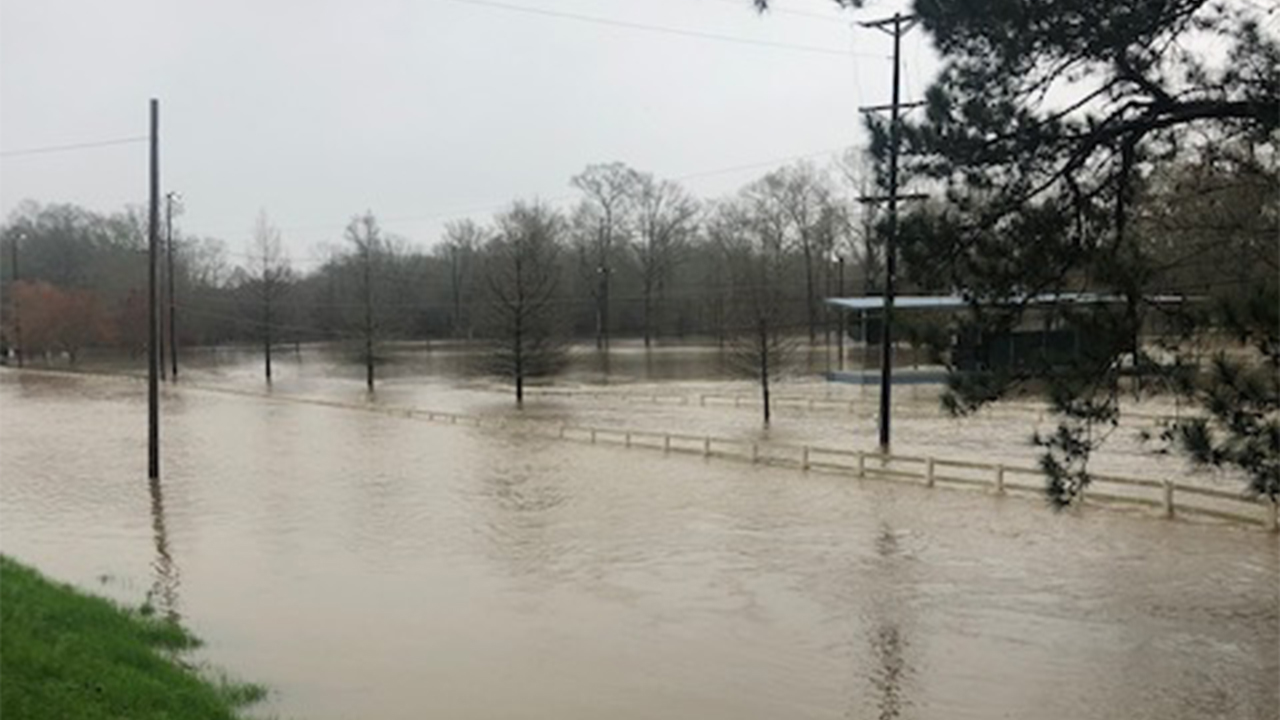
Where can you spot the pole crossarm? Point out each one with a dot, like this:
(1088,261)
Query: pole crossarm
(883,108)
(873,199)
(894,26)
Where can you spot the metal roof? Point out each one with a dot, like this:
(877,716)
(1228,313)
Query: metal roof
(943,302)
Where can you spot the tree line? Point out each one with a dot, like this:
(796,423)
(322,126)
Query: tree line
(636,256)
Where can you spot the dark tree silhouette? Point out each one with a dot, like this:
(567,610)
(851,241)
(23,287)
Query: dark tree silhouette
(521,272)
(271,280)
(762,339)
(666,219)
(365,236)
(601,226)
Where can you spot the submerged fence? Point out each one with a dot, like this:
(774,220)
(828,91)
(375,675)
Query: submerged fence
(1169,498)
(753,400)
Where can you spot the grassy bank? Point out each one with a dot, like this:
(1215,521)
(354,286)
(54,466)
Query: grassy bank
(65,654)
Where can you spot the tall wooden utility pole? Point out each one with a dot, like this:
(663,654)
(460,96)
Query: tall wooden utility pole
(896,26)
(843,325)
(153,307)
(17,316)
(368,313)
(173,309)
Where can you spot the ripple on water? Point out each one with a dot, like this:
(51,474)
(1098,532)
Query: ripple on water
(371,565)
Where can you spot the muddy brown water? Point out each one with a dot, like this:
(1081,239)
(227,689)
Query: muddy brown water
(365,565)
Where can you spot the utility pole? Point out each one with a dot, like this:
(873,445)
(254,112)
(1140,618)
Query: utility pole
(160,313)
(153,315)
(17,316)
(896,26)
(173,310)
(368,313)
(841,326)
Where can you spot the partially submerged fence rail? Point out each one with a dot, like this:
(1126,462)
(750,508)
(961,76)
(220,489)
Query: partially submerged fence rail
(1165,495)
(751,399)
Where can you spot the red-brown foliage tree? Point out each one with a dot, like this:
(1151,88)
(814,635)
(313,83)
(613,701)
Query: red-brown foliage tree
(58,320)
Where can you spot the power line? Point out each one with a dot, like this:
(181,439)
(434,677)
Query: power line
(629,25)
(74,146)
(763,163)
(556,199)
(788,11)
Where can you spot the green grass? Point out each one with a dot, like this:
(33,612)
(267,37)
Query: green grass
(65,654)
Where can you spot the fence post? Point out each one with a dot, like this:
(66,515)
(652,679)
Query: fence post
(804,458)
(628,441)
(562,431)
(666,443)
(1168,498)
(810,403)
(593,435)
(736,400)
(928,472)
(862,464)
(706,446)
(702,401)
(755,452)
(999,479)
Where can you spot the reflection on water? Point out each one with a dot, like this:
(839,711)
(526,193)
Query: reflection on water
(364,564)
(887,644)
(163,594)
(889,675)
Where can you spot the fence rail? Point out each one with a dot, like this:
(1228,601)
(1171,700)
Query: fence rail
(740,400)
(1104,488)
(1167,496)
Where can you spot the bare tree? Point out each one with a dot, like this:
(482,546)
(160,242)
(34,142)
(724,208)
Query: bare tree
(365,235)
(801,194)
(665,218)
(521,271)
(271,278)
(754,243)
(462,239)
(856,173)
(600,226)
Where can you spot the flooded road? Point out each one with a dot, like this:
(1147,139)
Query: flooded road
(365,565)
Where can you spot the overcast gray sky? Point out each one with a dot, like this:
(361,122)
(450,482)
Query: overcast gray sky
(420,110)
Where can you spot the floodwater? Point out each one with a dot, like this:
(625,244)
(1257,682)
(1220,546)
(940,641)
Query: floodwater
(368,565)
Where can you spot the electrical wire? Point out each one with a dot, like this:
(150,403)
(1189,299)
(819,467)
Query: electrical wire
(645,27)
(73,146)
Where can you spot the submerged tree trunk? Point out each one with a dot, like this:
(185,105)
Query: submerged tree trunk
(368,320)
(764,368)
(519,364)
(809,305)
(648,302)
(266,334)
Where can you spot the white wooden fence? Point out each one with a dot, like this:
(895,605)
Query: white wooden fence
(1168,497)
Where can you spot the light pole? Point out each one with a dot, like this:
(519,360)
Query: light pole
(169,197)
